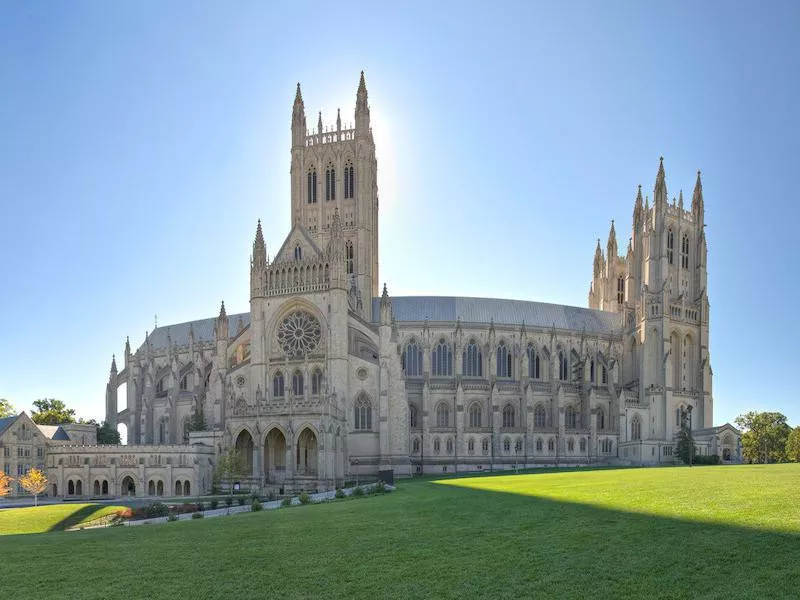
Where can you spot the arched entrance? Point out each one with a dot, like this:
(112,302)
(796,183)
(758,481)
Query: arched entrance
(55,490)
(104,488)
(307,453)
(160,488)
(70,488)
(128,487)
(79,488)
(151,488)
(96,487)
(178,488)
(186,488)
(244,446)
(275,455)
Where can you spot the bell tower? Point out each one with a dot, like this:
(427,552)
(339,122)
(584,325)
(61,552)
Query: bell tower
(334,169)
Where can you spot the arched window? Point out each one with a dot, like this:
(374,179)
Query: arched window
(413,416)
(603,374)
(563,367)
(277,385)
(583,444)
(620,289)
(551,445)
(572,421)
(442,360)
(471,447)
(297,383)
(437,446)
(298,252)
(330,183)
(507,445)
(316,382)
(349,180)
(539,416)
(503,360)
(636,428)
(570,445)
(184,382)
(412,359)
(449,445)
(363,413)
(311,187)
(475,415)
(508,416)
(591,371)
(533,362)
(348,256)
(485,446)
(601,419)
(685,251)
(443,415)
(518,445)
(473,360)
(670,245)
(539,445)
(415,446)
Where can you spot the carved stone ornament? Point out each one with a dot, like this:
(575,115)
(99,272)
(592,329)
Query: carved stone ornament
(299,334)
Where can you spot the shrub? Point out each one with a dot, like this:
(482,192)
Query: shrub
(214,503)
(380,488)
(197,515)
(358,491)
(286,501)
(305,498)
(156,509)
(254,497)
(228,501)
(172,518)
(340,493)
(124,513)
(256,506)
(271,496)
(241,500)
(200,506)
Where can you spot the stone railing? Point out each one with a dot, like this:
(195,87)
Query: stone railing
(330,137)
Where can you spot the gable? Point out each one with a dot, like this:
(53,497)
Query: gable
(298,236)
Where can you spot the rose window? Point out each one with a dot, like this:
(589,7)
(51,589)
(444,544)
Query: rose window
(299,333)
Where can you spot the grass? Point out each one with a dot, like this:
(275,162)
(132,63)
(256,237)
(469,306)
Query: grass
(704,532)
(53,517)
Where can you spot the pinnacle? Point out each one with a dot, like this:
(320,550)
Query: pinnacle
(385,291)
(362,86)
(222,313)
(298,97)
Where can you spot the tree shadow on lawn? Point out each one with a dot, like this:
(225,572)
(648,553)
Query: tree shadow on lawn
(74,518)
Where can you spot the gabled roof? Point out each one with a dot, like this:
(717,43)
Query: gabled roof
(502,312)
(286,252)
(53,432)
(6,422)
(203,331)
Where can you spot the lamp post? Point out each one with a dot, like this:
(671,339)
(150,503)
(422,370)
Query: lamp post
(691,440)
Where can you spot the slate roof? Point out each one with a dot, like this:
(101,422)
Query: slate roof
(504,312)
(53,432)
(6,422)
(203,330)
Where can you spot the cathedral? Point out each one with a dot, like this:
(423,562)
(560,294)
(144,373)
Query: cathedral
(328,377)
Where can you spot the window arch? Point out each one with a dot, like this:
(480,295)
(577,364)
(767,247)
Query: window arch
(330,182)
(670,245)
(363,413)
(413,416)
(415,446)
(539,416)
(570,445)
(533,363)
(471,446)
(449,445)
(551,445)
(563,366)
(503,360)
(437,445)
(412,359)
(348,257)
(583,444)
(473,360)
(507,445)
(316,382)
(475,415)
(591,371)
(349,180)
(442,415)
(442,360)
(298,252)
(509,416)
(518,445)
(277,385)
(636,428)
(311,186)
(620,289)
(601,419)
(572,420)
(297,383)
(685,251)
(485,446)
(539,444)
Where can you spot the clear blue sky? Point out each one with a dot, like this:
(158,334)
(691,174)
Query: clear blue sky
(140,141)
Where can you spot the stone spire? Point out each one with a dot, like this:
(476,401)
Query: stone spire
(697,197)
(338,120)
(259,249)
(221,328)
(611,247)
(127,348)
(637,209)
(660,188)
(319,123)
(680,200)
(113,364)
(298,119)
(598,259)
(362,107)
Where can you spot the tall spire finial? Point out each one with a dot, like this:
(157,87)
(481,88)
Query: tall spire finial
(259,248)
(298,96)
(222,313)
(113,363)
(319,123)
(362,86)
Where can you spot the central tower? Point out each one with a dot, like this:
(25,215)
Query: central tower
(334,170)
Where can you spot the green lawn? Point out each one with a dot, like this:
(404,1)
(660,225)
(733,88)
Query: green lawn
(704,532)
(53,517)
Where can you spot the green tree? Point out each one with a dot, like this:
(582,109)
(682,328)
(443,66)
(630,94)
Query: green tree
(230,467)
(197,422)
(765,436)
(793,445)
(6,409)
(49,411)
(106,434)
(684,444)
